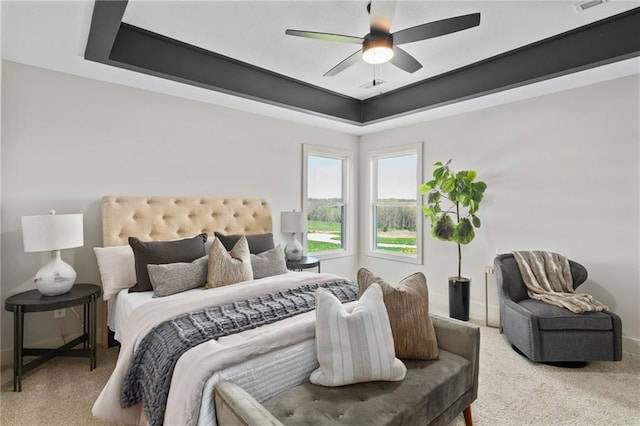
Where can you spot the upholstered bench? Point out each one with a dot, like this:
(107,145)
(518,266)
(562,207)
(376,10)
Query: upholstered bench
(432,393)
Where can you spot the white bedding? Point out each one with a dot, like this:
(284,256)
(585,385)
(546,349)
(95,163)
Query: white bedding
(232,356)
(124,303)
(263,376)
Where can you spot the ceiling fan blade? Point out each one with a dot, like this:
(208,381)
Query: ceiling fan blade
(381,15)
(404,61)
(436,28)
(350,60)
(326,36)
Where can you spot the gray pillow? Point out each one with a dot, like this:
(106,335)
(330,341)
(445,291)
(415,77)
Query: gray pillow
(163,252)
(268,263)
(177,277)
(258,243)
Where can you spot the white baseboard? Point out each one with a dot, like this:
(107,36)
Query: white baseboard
(631,345)
(6,355)
(439,304)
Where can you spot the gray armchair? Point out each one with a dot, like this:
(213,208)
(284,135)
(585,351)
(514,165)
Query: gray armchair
(547,333)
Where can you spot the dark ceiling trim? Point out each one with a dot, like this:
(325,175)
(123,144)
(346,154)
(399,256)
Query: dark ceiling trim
(105,23)
(115,43)
(606,41)
(172,59)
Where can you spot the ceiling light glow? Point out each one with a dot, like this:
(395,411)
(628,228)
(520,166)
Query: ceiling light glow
(377,51)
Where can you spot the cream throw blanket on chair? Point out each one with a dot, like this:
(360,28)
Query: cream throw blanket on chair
(548,278)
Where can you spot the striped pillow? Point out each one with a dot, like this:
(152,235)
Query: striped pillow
(407,304)
(354,347)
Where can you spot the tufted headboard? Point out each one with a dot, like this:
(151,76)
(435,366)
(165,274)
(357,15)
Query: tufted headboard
(165,218)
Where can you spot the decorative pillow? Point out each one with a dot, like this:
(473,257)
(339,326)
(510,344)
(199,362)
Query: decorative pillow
(117,269)
(408,307)
(355,347)
(163,252)
(268,263)
(177,277)
(258,243)
(229,267)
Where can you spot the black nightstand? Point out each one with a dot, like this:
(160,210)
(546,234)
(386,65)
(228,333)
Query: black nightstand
(33,301)
(304,263)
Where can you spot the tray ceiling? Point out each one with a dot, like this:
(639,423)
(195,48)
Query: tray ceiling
(235,53)
(254,32)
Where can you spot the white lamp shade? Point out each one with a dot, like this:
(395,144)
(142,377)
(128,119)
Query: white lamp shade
(293,222)
(52,232)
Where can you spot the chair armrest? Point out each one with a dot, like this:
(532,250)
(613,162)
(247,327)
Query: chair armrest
(235,407)
(460,338)
(520,326)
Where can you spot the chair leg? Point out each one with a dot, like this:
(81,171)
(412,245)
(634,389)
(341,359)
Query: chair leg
(468,421)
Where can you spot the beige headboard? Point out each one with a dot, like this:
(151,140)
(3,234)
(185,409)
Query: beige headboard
(164,218)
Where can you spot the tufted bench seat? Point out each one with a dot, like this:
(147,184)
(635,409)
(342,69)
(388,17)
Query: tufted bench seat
(433,392)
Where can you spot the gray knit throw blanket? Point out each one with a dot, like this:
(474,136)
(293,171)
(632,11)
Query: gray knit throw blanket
(149,376)
(548,279)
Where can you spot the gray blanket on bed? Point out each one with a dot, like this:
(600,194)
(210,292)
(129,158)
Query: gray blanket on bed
(149,376)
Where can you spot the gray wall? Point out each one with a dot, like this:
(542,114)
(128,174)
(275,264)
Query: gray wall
(563,175)
(67,141)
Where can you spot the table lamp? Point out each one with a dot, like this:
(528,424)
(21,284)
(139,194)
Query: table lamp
(53,232)
(293,222)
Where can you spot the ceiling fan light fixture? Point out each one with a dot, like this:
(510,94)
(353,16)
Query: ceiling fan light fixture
(377,51)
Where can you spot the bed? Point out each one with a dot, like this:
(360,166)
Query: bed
(256,358)
(165,218)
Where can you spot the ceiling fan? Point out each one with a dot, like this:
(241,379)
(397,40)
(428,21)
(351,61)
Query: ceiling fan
(380,45)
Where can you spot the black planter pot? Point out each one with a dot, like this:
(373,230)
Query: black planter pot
(459,298)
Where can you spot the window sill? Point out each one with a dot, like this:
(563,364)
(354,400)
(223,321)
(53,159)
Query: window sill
(328,255)
(417,260)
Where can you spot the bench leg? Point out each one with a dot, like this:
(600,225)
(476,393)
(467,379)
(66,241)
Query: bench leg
(468,421)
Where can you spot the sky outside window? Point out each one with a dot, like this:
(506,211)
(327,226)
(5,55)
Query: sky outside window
(325,177)
(397,177)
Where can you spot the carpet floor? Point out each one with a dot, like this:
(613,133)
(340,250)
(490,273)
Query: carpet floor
(512,391)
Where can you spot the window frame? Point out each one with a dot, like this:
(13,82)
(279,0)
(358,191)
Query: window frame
(348,180)
(372,158)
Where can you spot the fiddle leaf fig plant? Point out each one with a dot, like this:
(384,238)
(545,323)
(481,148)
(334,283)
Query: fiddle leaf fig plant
(453,199)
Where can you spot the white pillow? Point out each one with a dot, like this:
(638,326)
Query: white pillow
(117,269)
(354,347)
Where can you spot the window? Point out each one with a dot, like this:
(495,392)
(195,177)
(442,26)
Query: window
(395,220)
(326,190)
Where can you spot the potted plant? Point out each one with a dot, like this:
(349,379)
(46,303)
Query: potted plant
(453,198)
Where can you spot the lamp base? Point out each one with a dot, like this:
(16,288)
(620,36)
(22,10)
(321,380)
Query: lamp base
(56,277)
(293,249)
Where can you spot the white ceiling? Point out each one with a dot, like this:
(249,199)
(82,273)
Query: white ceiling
(53,35)
(254,32)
